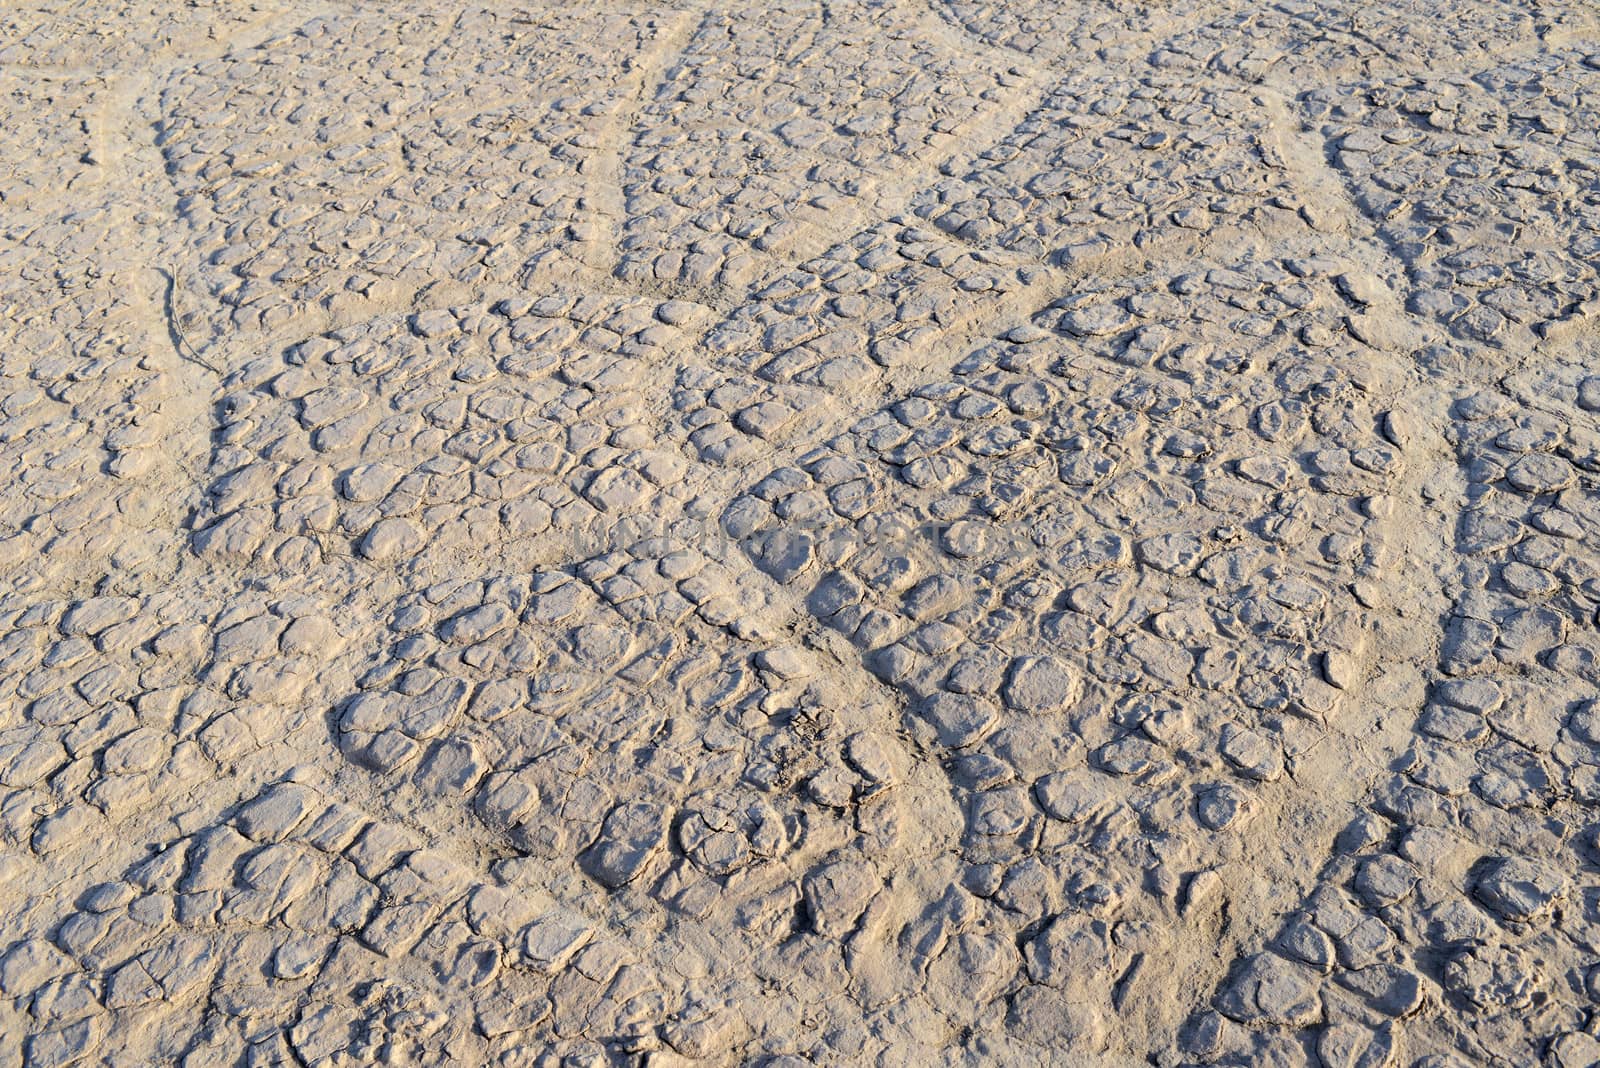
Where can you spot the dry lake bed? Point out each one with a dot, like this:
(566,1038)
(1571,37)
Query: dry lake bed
(892,532)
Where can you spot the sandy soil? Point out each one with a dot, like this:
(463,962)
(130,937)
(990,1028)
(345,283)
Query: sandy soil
(902,532)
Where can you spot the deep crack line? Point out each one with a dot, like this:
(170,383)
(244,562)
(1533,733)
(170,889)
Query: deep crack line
(180,344)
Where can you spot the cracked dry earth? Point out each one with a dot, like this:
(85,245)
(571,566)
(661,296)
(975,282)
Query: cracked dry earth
(902,532)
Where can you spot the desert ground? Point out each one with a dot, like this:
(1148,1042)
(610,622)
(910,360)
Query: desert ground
(889,532)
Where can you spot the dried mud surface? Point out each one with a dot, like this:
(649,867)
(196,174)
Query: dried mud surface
(905,532)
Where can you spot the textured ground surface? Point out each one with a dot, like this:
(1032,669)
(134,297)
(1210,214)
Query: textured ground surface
(899,532)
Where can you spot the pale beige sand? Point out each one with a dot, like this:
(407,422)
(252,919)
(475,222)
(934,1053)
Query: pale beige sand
(900,532)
